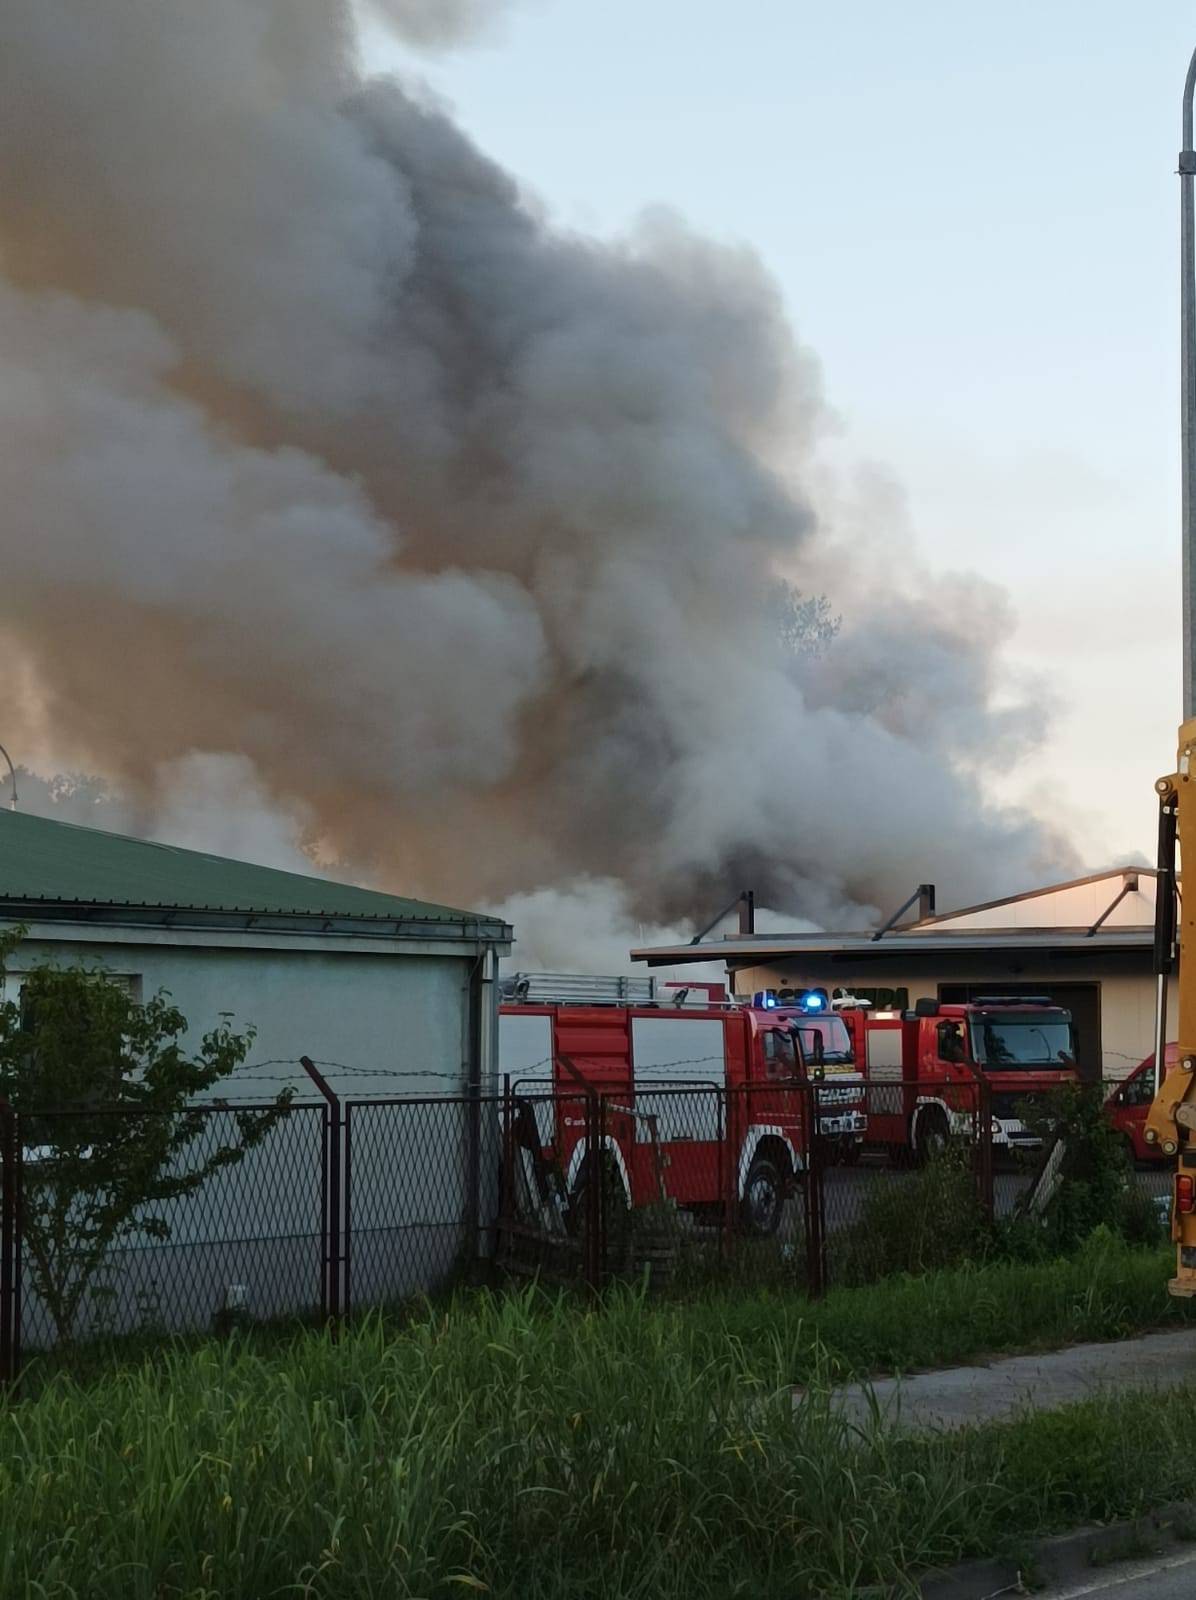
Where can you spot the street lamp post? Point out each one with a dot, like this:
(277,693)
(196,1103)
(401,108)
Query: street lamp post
(1165,885)
(1187,386)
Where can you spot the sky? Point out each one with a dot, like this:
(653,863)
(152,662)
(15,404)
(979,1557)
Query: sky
(973,216)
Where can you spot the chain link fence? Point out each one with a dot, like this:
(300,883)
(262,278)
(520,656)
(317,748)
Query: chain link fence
(249,1213)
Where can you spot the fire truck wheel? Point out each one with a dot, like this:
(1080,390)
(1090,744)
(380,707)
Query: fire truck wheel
(763,1197)
(931,1134)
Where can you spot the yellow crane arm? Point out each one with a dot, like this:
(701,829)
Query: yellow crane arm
(1171,1122)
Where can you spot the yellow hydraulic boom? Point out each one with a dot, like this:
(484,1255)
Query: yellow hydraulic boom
(1171,1124)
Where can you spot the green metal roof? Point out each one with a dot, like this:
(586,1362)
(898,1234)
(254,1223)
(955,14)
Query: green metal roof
(46,864)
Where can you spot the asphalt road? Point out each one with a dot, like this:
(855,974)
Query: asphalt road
(960,1397)
(1167,1578)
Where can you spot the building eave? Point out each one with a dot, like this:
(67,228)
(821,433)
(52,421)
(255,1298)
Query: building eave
(93,924)
(759,949)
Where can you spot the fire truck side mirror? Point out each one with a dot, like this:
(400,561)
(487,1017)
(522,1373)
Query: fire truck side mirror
(926,1008)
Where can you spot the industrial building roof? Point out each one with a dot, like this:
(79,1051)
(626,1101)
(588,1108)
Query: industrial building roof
(1105,911)
(52,868)
(760,946)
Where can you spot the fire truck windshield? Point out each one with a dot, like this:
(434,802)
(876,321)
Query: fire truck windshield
(1014,1041)
(825,1039)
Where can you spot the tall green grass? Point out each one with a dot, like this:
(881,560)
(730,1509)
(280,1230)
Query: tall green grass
(526,1446)
(930,1220)
(903,1323)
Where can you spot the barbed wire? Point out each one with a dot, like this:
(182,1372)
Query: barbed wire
(555,1084)
(251,1070)
(404,1082)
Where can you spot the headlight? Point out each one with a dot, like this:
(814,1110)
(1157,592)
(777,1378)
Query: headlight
(996,1128)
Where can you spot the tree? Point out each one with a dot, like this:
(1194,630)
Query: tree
(1094,1188)
(805,624)
(105,1093)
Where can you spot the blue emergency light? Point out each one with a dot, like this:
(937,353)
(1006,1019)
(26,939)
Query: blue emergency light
(811,1000)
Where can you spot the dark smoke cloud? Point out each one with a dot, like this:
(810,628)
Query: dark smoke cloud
(325,455)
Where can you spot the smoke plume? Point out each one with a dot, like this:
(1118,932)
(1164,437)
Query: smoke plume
(455,539)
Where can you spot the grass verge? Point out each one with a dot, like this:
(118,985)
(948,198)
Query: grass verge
(522,1446)
(901,1324)
(1105,1291)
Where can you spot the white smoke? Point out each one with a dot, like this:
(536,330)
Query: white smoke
(463,535)
(583,927)
(213,803)
(586,927)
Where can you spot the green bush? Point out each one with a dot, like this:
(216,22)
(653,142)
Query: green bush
(1096,1187)
(927,1220)
(106,1089)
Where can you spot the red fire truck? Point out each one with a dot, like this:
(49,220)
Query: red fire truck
(923,1067)
(701,1094)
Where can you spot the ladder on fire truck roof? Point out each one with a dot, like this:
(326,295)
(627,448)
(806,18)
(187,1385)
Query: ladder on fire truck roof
(574,988)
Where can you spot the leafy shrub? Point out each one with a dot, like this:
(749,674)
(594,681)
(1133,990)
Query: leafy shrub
(1095,1187)
(106,1092)
(930,1219)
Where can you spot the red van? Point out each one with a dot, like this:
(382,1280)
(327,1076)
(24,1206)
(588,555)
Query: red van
(1127,1106)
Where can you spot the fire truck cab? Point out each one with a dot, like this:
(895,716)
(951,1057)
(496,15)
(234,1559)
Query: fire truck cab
(702,1096)
(923,1068)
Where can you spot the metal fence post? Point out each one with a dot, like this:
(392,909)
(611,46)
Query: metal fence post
(335,1222)
(728,1211)
(473,1115)
(346,1235)
(506,1196)
(815,1196)
(9,1295)
(595,1200)
(18,1288)
(602,1265)
(984,1150)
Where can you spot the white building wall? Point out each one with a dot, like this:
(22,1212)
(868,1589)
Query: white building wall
(405,1015)
(1126,1002)
(1127,1022)
(749,979)
(401,1018)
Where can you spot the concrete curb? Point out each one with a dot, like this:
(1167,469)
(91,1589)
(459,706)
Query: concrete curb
(1067,1556)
